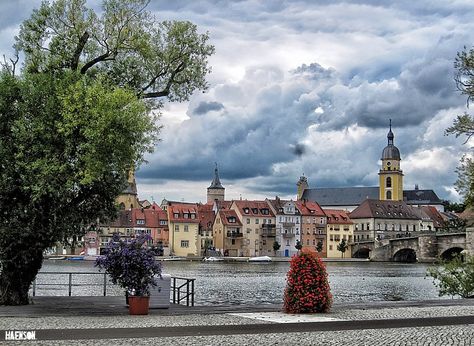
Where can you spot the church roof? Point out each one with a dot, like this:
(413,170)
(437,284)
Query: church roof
(390,152)
(421,197)
(353,196)
(340,196)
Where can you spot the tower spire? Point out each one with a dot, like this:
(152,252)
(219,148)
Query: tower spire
(390,135)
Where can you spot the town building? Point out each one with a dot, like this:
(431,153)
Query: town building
(313,227)
(339,228)
(258,224)
(228,236)
(183,223)
(288,225)
(206,221)
(378,220)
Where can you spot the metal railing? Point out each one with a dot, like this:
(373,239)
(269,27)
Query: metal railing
(181,289)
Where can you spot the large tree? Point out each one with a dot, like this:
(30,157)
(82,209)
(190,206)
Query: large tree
(77,116)
(464,124)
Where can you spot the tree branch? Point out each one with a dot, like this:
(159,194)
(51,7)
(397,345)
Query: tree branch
(104,57)
(77,53)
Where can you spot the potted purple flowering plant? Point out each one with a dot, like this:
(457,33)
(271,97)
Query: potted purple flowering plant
(131,265)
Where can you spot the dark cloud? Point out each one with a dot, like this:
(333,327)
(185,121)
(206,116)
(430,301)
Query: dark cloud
(205,107)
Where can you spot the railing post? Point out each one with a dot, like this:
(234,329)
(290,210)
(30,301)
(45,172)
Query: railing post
(174,290)
(105,284)
(192,297)
(70,283)
(187,292)
(34,287)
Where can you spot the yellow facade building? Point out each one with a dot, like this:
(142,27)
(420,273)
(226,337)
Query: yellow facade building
(183,225)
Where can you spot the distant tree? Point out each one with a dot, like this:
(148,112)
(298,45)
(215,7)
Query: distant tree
(455,225)
(342,246)
(453,207)
(78,116)
(276,246)
(298,245)
(319,246)
(455,277)
(463,125)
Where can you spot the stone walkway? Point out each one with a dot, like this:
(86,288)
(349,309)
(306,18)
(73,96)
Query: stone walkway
(104,321)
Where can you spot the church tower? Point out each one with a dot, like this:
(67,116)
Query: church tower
(390,175)
(128,199)
(215,192)
(302,185)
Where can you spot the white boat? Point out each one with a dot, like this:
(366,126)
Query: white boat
(212,259)
(260,259)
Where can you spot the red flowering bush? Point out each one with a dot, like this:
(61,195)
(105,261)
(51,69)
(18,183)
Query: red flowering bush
(307,287)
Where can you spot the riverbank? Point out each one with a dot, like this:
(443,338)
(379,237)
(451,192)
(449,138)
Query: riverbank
(105,320)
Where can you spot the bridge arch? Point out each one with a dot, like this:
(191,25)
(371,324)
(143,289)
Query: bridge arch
(405,255)
(451,252)
(362,253)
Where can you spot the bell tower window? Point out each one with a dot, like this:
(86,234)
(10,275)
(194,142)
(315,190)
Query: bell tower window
(389,194)
(388,182)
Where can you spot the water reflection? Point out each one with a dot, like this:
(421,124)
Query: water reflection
(264,283)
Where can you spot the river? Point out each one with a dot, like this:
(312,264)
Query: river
(219,283)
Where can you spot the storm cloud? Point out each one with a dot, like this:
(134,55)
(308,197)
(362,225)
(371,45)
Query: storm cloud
(308,87)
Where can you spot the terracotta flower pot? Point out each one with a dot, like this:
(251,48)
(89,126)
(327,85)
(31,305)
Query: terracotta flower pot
(138,305)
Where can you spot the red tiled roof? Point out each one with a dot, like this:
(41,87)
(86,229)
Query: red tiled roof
(183,209)
(226,214)
(206,216)
(310,208)
(253,208)
(434,215)
(336,216)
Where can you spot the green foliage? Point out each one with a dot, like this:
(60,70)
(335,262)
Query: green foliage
(463,125)
(453,207)
(276,246)
(455,277)
(319,246)
(342,246)
(307,287)
(455,225)
(124,44)
(77,118)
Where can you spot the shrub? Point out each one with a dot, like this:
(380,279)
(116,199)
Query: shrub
(307,287)
(130,264)
(455,277)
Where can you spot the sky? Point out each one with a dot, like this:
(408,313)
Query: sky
(307,88)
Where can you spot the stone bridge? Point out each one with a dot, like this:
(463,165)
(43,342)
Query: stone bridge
(423,248)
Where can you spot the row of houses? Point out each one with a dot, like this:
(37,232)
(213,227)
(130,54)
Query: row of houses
(270,227)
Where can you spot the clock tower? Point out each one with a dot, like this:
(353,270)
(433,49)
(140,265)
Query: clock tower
(390,175)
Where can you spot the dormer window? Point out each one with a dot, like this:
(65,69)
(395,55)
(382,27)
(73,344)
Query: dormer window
(255,210)
(264,211)
(176,215)
(140,222)
(193,216)
(246,210)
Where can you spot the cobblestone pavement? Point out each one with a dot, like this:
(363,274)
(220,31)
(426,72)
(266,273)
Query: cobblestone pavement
(461,335)
(51,322)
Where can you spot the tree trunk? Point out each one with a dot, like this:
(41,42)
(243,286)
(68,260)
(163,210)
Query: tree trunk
(18,270)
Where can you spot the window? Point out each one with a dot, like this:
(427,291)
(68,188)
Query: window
(388,182)
(248,230)
(193,216)
(163,222)
(287,243)
(184,243)
(246,210)
(256,221)
(176,215)
(307,241)
(314,241)
(233,241)
(176,228)
(248,221)
(331,237)
(255,210)
(140,222)
(186,216)
(389,194)
(330,247)
(186,228)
